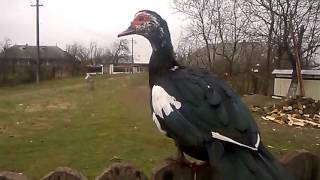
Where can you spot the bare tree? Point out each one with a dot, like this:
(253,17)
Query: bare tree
(106,56)
(202,24)
(5,44)
(93,47)
(292,28)
(120,50)
(263,28)
(80,52)
(187,52)
(313,33)
(232,25)
(289,30)
(216,25)
(99,55)
(93,54)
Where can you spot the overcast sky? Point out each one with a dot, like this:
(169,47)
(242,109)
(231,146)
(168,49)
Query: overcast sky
(66,21)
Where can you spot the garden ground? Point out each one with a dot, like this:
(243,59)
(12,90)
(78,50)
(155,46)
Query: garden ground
(65,123)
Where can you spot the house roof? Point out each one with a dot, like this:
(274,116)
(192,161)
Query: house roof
(312,72)
(30,52)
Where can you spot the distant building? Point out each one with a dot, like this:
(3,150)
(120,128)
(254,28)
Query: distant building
(126,67)
(311,82)
(21,60)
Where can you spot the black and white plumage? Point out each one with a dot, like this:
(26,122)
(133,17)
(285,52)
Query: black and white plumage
(200,112)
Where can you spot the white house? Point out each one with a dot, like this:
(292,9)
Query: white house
(311,82)
(127,68)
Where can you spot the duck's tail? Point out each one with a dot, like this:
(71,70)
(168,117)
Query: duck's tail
(237,163)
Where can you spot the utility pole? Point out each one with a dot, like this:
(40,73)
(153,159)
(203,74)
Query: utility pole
(132,60)
(38,43)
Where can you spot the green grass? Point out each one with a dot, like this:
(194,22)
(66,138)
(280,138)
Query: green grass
(63,123)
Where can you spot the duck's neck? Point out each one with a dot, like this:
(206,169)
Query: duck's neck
(162,57)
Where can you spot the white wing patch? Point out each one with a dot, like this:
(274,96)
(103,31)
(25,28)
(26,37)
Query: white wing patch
(174,68)
(163,102)
(227,139)
(258,141)
(155,120)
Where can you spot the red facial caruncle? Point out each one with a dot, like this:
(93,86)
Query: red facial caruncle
(140,25)
(139,19)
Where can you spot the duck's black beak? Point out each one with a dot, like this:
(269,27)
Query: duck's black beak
(131,30)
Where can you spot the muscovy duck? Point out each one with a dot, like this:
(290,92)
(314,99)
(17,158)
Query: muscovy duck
(200,112)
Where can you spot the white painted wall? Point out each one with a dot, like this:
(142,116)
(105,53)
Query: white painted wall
(312,87)
(281,86)
(136,69)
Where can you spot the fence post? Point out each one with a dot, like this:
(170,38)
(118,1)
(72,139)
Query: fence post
(64,173)
(206,172)
(121,171)
(179,171)
(172,171)
(303,164)
(6,175)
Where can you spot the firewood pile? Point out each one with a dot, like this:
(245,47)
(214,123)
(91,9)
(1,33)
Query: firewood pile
(304,112)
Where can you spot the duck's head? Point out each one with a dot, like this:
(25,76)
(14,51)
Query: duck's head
(148,24)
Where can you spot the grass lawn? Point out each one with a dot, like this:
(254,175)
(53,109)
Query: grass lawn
(63,123)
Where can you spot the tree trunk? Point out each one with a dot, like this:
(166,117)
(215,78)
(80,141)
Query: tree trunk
(269,57)
(230,68)
(292,92)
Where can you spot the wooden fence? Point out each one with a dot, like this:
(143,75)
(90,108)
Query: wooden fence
(304,165)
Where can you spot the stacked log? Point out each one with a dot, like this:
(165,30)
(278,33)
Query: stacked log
(303,112)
